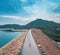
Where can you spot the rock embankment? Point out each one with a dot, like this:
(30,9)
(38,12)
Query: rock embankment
(14,47)
(45,44)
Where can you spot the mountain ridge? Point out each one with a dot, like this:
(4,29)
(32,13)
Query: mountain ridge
(38,23)
(50,28)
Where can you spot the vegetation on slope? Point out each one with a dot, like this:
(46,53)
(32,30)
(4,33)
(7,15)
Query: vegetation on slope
(50,28)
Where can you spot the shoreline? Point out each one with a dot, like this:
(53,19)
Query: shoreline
(11,41)
(14,46)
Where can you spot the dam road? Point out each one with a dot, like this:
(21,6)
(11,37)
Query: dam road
(29,46)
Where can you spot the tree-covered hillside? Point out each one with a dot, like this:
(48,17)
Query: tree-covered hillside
(50,28)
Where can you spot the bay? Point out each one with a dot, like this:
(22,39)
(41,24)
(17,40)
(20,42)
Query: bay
(6,37)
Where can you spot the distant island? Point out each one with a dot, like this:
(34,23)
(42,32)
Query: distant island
(50,28)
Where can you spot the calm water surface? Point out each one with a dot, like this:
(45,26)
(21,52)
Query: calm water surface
(5,37)
(58,42)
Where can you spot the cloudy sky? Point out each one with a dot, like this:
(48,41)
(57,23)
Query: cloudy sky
(24,11)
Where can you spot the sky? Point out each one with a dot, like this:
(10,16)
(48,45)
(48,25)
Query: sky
(24,11)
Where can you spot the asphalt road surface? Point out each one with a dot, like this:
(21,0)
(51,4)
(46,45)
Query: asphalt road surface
(29,47)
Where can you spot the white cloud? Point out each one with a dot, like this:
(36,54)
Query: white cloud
(43,11)
(26,19)
(8,16)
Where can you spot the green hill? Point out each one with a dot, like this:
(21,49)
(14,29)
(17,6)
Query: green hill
(43,24)
(10,26)
(50,28)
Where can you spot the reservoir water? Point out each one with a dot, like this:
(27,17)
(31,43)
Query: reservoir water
(58,42)
(6,37)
